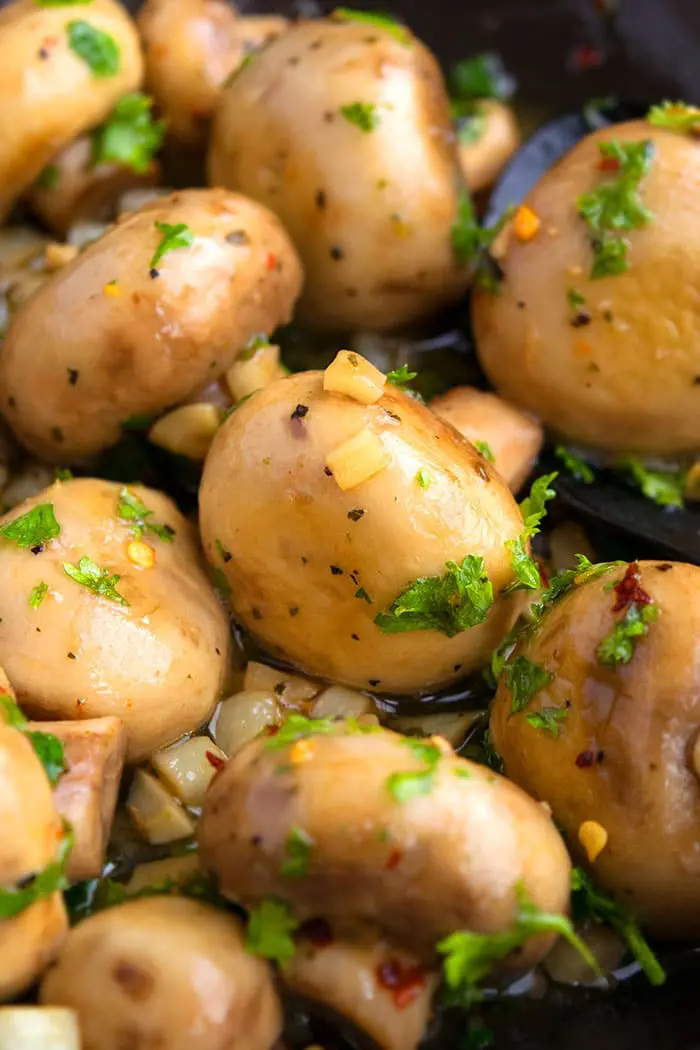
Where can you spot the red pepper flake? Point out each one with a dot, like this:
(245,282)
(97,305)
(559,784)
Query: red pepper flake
(215,760)
(405,982)
(272,730)
(395,858)
(610,164)
(586,57)
(544,575)
(317,931)
(586,759)
(629,590)
(271,260)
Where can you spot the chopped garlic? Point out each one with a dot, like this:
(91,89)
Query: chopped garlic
(188,430)
(594,838)
(249,374)
(351,374)
(140,554)
(358,459)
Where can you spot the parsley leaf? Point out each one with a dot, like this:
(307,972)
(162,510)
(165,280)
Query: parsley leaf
(49,177)
(616,204)
(362,114)
(174,237)
(298,850)
(51,753)
(37,595)
(588,902)
(130,508)
(483,76)
(270,929)
(485,449)
(524,679)
(39,886)
(677,116)
(471,241)
(449,604)
(377,21)
(362,593)
(575,298)
(400,376)
(470,957)
(12,713)
(407,785)
(526,569)
(471,120)
(96,48)
(665,487)
(533,509)
(618,646)
(130,136)
(297,727)
(575,465)
(548,719)
(34,528)
(89,575)
(424,478)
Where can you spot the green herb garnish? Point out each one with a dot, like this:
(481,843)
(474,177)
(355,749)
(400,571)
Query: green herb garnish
(575,298)
(400,377)
(405,786)
(96,48)
(547,719)
(483,76)
(471,241)
(677,116)
(450,604)
(589,903)
(174,237)
(50,752)
(665,487)
(524,679)
(130,137)
(575,465)
(533,509)
(618,646)
(97,580)
(385,22)
(33,529)
(270,929)
(362,114)
(298,850)
(470,957)
(362,593)
(37,594)
(131,509)
(485,449)
(297,727)
(424,478)
(50,176)
(616,205)
(40,885)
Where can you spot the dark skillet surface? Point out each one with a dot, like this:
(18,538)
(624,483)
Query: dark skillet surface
(642,49)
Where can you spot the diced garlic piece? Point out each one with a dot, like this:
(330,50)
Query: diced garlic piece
(243,717)
(154,811)
(187,431)
(59,255)
(358,459)
(340,702)
(186,769)
(351,374)
(170,869)
(252,373)
(291,689)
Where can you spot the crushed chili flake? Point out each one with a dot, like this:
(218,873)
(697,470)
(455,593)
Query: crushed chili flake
(405,982)
(394,860)
(586,57)
(317,931)
(586,759)
(271,260)
(609,164)
(215,760)
(629,590)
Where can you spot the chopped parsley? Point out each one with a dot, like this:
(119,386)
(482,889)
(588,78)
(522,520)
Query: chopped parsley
(298,850)
(405,786)
(362,114)
(470,957)
(589,903)
(297,727)
(485,449)
(377,21)
(533,509)
(174,237)
(676,116)
(50,752)
(37,594)
(524,679)
(270,928)
(49,177)
(130,136)
(39,885)
(12,714)
(665,487)
(471,120)
(97,580)
(483,76)
(548,719)
(618,646)
(616,205)
(97,49)
(362,593)
(575,298)
(450,604)
(400,377)
(575,465)
(471,241)
(33,529)
(131,509)
(424,478)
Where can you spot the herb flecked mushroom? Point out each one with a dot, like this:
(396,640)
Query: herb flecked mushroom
(595,327)
(405,595)
(145,640)
(59,81)
(126,329)
(597,711)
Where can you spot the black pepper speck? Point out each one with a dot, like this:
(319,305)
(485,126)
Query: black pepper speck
(154,273)
(38,548)
(336,570)
(71,656)
(321,200)
(299,412)
(57,433)
(337,253)
(73,374)
(355,514)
